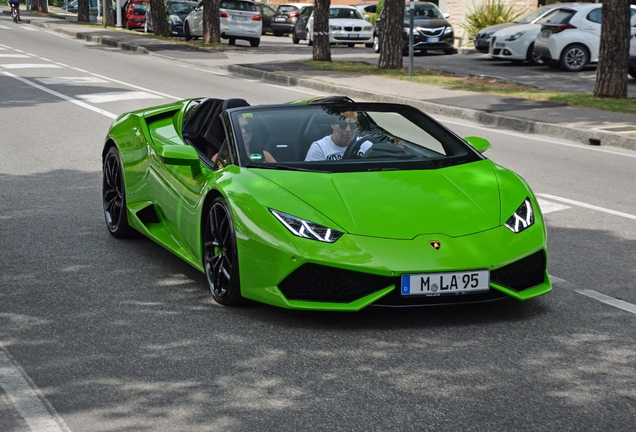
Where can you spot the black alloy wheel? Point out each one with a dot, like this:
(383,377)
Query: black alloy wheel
(114,196)
(220,256)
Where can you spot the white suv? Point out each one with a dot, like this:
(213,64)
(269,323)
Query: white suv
(572,36)
(239,19)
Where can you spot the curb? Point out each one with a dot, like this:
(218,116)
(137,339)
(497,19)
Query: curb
(583,136)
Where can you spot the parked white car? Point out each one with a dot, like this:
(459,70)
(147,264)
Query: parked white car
(239,19)
(571,38)
(516,43)
(346,26)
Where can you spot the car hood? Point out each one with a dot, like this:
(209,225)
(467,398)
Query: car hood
(348,22)
(454,201)
(528,28)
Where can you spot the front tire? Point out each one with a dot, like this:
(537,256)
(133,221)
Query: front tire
(186,31)
(376,44)
(295,39)
(114,196)
(574,58)
(308,40)
(532,57)
(220,256)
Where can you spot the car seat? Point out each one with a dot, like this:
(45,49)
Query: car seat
(214,134)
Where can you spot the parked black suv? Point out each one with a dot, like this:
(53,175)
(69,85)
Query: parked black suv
(431,31)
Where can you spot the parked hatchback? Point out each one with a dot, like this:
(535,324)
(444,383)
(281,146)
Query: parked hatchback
(482,40)
(286,16)
(431,30)
(135,13)
(571,38)
(177,11)
(300,28)
(239,19)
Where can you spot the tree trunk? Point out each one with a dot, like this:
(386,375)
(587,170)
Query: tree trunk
(82,11)
(320,36)
(611,72)
(391,36)
(109,18)
(40,6)
(160,25)
(211,23)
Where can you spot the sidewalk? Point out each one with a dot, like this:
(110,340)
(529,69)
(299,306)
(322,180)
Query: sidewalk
(583,125)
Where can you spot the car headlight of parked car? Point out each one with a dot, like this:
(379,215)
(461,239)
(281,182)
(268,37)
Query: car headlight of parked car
(368,28)
(514,37)
(448,30)
(306,229)
(174,19)
(335,27)
(522,218)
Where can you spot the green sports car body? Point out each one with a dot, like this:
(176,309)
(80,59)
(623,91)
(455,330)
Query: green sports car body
(409,215)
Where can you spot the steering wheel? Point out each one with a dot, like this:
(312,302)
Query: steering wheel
(352,149)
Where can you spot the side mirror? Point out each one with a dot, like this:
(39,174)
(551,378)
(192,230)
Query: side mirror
(183,155)
(446,15)
(478,143)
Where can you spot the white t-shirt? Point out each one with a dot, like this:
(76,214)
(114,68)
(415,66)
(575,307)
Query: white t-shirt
(326,149)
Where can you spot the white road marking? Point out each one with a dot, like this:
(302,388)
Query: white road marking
(30,66)
(29,28)
(14,55)
(549,206)
(546,140)
(589,206)
(61,96)
(28,401)
(620,304)
(130,85)
(70,80)
(4,27)
(116,96)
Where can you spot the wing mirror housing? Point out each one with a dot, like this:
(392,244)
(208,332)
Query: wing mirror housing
(182,155)
(478,143)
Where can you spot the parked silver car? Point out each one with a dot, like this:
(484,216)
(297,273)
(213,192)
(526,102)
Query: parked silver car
(239,19)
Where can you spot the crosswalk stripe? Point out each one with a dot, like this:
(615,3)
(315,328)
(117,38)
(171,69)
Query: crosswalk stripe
(4,27)
(116,96)
(30,66)
(70,80)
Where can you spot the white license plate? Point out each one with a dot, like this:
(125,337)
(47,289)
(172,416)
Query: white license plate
(432,39)
(353,35)
(435,284)
(281,19)
(239,18)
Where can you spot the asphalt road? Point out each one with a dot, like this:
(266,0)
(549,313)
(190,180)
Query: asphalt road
(98,334)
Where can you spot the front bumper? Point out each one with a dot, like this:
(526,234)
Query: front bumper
(352,36)
(356,272)
(515,50)
(432,41)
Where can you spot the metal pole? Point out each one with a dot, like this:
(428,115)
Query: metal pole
(411,24)
(99,9)
(118,25)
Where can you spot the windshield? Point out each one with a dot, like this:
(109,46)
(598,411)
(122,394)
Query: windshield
(532,16)
(238,5)
(288,8)
(345,138)
(422,11)
(181,8)
(140,8)
(345,13)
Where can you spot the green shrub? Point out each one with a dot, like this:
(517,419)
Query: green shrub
(373,17)
(489,13)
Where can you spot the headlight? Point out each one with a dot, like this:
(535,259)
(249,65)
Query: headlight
(335,27)
(175,19)
(368,28)
(522,218)
(306,229)
(514,37)
(448,30)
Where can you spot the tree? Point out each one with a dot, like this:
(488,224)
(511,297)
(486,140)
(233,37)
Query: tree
(82,11)
(611,72)
(211,22)
(391,36)
(108,16)
(320,36)
(160,25)
(40,5)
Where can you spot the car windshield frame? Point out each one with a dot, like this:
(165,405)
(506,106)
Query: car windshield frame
(338,12)
(430,144)
(424,12)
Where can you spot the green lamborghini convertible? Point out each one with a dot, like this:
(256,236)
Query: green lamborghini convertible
(324,204)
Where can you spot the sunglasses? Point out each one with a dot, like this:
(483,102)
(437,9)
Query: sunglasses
(247,129)
(343,125)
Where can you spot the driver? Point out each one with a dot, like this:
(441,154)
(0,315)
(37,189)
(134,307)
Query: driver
(333,147)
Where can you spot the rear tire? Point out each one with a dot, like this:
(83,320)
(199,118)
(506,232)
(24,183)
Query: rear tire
(255,43)
(295,40)
(574,58)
